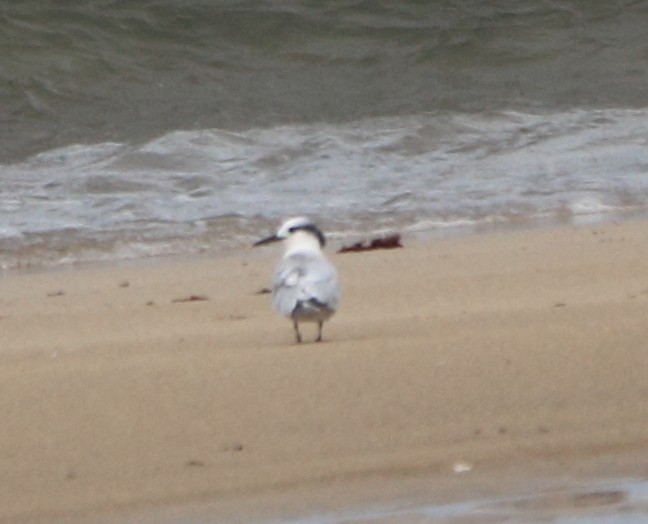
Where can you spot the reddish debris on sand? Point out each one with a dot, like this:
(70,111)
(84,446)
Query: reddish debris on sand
(389,242)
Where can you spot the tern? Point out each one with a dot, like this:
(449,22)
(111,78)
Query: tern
(305,286)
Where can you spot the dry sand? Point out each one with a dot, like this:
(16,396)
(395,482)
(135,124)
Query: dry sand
(515,356)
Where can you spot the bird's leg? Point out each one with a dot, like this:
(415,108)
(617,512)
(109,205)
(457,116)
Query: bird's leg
(320,324)
(297,333)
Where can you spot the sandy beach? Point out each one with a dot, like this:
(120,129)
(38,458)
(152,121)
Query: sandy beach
(479,364)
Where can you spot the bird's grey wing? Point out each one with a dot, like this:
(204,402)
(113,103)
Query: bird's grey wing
(300,278)
(320,283)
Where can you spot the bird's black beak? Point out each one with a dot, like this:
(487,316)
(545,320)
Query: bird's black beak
(267,240)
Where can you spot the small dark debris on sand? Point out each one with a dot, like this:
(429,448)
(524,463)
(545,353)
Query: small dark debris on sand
(264,291)
(232,448)
(388,242)
(190,298)
(56,294)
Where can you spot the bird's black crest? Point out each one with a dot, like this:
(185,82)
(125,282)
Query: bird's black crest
(311,228)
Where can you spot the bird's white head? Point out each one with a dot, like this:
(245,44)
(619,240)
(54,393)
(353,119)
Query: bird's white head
(300,230)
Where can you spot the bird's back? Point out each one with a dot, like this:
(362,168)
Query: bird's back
(305,283)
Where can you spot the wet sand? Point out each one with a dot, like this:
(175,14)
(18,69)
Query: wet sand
(472,368)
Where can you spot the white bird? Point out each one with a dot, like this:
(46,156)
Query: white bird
(305,287)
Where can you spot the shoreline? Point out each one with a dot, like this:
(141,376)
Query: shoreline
(490,495)
(523,347)
(412,237)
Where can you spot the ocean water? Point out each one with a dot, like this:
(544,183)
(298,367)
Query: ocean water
(160,127)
